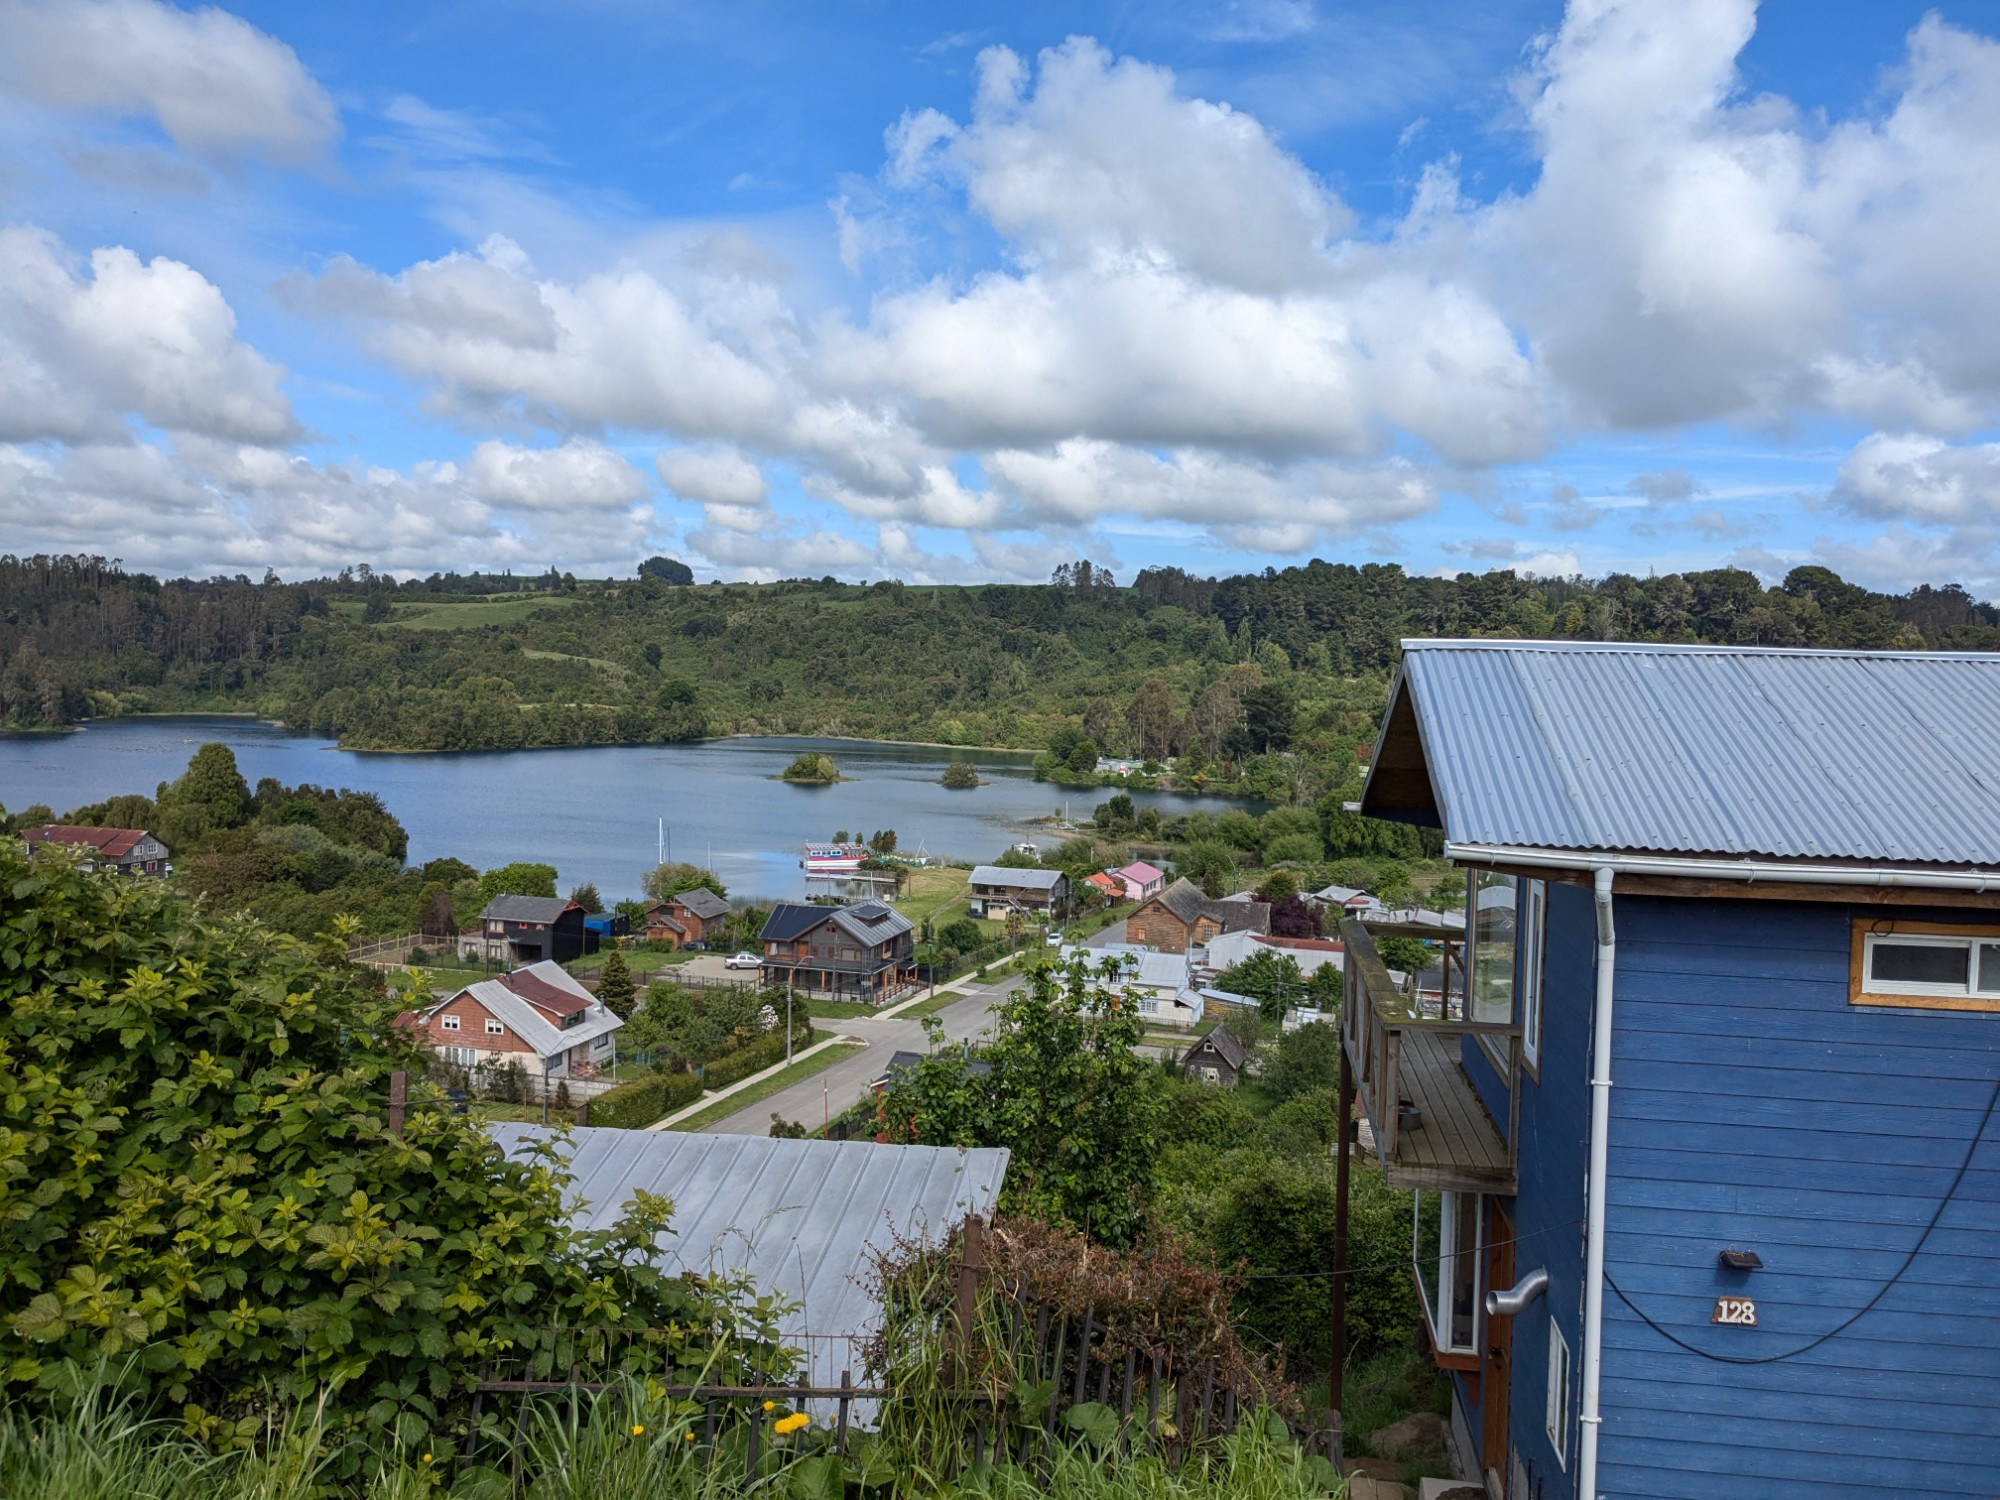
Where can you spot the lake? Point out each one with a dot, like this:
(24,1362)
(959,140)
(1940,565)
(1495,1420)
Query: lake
(593,813)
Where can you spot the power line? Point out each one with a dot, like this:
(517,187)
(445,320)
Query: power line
(1909,1260)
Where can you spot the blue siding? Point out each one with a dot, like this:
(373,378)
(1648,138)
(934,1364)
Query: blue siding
(1755,1107)
(1548,1213)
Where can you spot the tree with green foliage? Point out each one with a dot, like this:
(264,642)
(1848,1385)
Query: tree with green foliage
(1325,988)
(664,882)
(812,768)
(964,934)
(1405,954)
(1068,1095)
(615,986)
(960,775)
(1306,1058)
(1210,864)
(201,1186)
(1270,978)
(209,797)
(586,896)
(522,878)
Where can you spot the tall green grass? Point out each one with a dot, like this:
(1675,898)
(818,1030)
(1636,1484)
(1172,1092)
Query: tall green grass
(626,1443)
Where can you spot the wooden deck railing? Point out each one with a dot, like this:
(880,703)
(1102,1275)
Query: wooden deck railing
(1395,1041)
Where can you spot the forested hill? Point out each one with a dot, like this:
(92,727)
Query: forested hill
(1166,665)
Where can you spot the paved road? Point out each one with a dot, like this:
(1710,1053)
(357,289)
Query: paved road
(810,1101)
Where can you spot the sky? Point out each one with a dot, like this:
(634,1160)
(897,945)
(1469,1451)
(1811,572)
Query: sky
(956,293)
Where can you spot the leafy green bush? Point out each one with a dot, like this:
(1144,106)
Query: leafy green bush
(635,1105)
(1067,1094)
(1308,1058)
(196,1176)
(767,1051)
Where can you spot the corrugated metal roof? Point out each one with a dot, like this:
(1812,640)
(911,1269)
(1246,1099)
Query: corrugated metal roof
(804,1219)
(525,908)
(1007,877)
(1883,757)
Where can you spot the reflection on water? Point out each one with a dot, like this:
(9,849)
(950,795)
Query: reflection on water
(594,814)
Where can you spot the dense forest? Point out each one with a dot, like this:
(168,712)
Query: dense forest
(1229,672)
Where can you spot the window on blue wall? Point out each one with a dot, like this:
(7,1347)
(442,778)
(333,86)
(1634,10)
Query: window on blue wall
(1534,924)
(1555,1419)
(1925,963)
(1445,1247)
(1491,922)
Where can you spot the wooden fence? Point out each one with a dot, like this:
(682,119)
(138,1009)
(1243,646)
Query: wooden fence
(1069,1383)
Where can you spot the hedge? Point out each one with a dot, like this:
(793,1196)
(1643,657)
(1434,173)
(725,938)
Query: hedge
(767,1050)
(635,1105)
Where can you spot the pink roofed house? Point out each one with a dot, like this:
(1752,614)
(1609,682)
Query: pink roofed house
(1141,880)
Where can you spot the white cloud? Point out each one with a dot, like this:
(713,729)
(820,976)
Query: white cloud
(216,84)
(1182,323)
(579,475)
(718,475)
(154,339)
(1095,157)
(1910,477)
(618,348)
(202,506)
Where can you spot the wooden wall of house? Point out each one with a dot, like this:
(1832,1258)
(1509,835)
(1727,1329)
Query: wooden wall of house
(1755,1107)
(1154,926)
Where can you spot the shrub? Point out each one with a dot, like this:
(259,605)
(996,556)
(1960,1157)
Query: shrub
(635,1105)
(198,1171)
(959,775)
(767,1050)
(964,934)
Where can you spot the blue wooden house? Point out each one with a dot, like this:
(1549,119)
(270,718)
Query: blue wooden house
(1704,1166)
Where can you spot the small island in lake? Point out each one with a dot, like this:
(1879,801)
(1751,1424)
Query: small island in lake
(959,775)
(813,768)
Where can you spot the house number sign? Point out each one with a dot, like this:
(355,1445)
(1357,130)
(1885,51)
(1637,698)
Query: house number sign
(1738,1312)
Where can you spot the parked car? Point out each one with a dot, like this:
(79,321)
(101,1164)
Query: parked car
(744,960)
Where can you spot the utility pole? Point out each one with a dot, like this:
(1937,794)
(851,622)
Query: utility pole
(788,1018)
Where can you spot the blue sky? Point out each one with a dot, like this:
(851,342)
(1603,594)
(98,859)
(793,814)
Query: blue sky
(956,293)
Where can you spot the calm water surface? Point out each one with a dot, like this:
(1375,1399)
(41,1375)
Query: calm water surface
(591,813)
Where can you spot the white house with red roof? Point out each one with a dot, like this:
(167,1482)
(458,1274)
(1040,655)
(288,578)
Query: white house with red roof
(132,851)
(538,1016)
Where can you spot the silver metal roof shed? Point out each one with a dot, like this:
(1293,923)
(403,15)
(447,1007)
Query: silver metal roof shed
(805,1219)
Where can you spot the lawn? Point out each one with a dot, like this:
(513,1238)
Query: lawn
(500,609)
(764,1088)
(936,894)
(842,1010)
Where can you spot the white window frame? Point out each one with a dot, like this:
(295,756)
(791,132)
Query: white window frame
(1450,1205)
(450,1023)
(495,1028)
(1555,1414)
(1967,943)
(1534,931)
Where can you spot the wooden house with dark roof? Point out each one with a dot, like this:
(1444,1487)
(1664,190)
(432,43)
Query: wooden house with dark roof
(1216,1058)
(693,917)
(1181,917)
(863,952)
(528,929)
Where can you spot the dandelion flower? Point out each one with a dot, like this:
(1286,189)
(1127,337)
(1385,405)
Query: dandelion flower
(789,1425)
(638,1428)
(687,1437)
(427,1458)
(770,1406)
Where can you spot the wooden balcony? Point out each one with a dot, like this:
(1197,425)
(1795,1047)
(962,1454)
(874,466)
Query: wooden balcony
(1404,1048)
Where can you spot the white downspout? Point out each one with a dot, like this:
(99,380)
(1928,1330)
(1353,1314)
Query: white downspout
(1596,1190)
